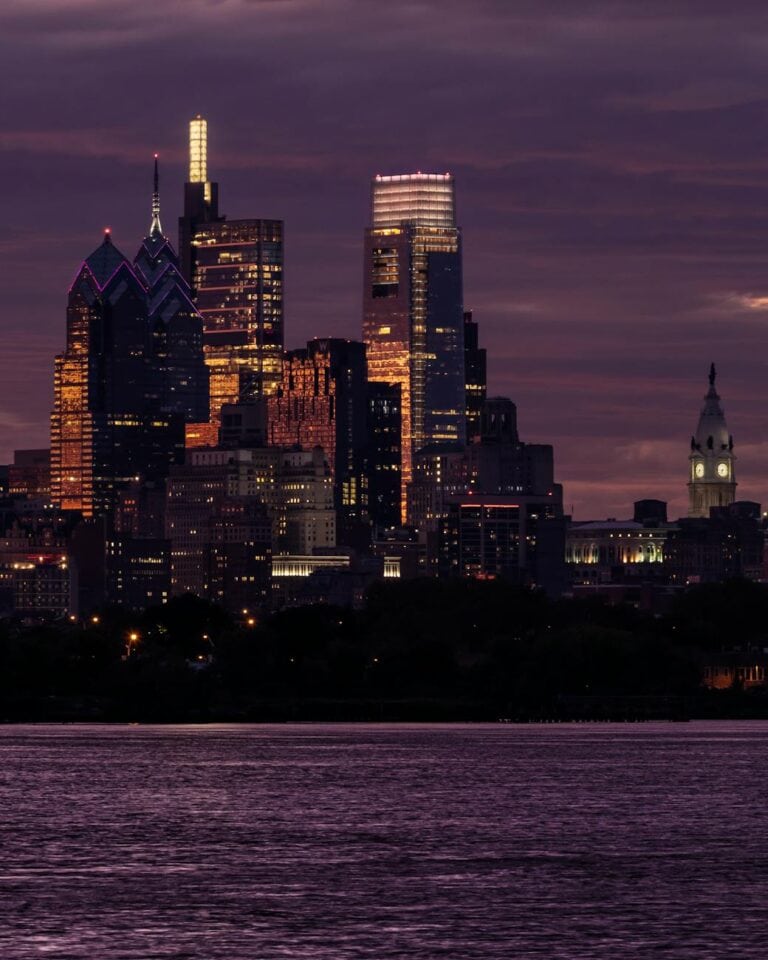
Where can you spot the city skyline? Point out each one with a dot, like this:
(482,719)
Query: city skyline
(640,227)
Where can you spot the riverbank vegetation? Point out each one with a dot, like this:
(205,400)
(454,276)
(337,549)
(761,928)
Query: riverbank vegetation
(417,650)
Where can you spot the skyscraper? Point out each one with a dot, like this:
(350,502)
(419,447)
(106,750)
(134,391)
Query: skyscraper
(176,326)
(107,426)
(413,315)
(321,402)
(384,460)
(235,270)
(712,478)
(474,376)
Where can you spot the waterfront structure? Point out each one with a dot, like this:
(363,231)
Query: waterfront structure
(413,318)
(107,427)
(711,462)
(318,404)
(474,376)
(235,270)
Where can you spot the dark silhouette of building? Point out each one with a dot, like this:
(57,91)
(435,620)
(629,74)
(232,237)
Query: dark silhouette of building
(29,475)
(383,459)
(235,270)
(650,512)
(726,545)
(239,554)
(176,326)
(496,464)
(138,572)
(521,539)
(474,376)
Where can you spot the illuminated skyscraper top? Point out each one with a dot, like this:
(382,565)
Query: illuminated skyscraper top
(198,150)
(235,271)
(423,199)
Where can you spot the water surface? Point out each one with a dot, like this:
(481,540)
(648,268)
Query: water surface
(334,842)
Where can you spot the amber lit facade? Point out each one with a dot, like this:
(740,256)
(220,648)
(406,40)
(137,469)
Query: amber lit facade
(320,402)
(235,270)
(413,321)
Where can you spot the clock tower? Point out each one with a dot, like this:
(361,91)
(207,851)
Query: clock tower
(711,475)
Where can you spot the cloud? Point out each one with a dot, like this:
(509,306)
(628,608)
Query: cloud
(611,170)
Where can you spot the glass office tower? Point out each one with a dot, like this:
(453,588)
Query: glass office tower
(413,318)
(108,428)
(235,270)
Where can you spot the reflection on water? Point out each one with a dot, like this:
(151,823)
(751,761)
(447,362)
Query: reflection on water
(251,843)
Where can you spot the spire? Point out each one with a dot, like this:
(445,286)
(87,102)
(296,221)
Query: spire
(712,432)
(155,229)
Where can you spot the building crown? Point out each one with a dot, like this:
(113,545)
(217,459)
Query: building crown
(155,229)
(712,431)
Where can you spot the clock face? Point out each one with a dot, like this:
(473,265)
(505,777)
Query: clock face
(722,469)
(698,470)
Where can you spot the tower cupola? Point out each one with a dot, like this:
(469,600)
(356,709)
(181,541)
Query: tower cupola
(712,478)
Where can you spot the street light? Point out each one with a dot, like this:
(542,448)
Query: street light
(133,639)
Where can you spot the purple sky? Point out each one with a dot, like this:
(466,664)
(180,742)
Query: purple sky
(611,161)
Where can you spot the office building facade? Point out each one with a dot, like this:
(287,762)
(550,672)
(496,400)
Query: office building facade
(475,374)
(235,270)
(318,404)
(413,318)
(107,427)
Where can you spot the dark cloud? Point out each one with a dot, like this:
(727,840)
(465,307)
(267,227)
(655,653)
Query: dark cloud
(611,160)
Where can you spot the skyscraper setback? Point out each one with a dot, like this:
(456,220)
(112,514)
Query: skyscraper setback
(235,270)
(413,320)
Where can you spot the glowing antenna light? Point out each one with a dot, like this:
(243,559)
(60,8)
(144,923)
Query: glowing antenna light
(198,150)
